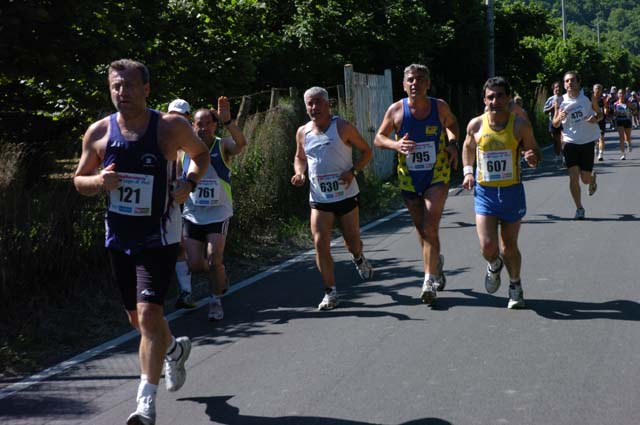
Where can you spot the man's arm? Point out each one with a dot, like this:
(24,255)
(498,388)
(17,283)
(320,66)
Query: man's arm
(235,144)
(450,124)
(350,135)
(383,140)
(86,178)
(300,160)
(194,147)
(530,148)
(469,153)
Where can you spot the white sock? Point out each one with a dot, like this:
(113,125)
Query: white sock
(184,276)
(495,265)
(175,350)
(431,277)
(146,394)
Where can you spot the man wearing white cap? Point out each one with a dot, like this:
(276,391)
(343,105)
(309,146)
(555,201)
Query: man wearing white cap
(182,107)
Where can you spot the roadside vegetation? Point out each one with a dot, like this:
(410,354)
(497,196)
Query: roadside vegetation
(55,293)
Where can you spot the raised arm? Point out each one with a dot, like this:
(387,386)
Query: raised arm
(234,144)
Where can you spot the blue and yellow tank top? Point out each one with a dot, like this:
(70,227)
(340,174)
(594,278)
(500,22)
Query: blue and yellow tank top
(498,155)
(427,165)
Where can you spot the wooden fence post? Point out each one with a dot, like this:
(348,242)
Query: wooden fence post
(243,112)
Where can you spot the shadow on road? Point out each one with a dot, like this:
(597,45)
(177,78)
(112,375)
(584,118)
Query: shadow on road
(220,411)
(550,309)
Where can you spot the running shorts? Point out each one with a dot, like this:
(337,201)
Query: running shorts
(507,203)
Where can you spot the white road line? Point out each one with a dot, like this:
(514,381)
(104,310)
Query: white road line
(80,358)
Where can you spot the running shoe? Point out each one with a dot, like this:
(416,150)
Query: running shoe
(579,214)
(492,278)
(593,186)
(441,281)
(428,294)
(140,418)
(185,301)
(145,413)
(364,267)
(216,312)
(600,157)
(175,373)
(329,302)
(516,297)
(623,157)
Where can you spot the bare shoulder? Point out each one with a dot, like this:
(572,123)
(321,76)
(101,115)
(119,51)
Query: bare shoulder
(475,124)
(174,132)
(95,138)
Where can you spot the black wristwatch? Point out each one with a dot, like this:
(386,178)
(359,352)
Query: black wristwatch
(226,123)
(354,172)
(194,184)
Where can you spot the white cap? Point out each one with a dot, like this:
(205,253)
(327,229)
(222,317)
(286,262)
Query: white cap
(179,105)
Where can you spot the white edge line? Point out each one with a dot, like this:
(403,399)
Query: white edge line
(93,352)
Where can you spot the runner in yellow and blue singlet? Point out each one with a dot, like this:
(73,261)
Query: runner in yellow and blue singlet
(427,165)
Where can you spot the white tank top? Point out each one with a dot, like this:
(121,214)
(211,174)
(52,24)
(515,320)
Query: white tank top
(327,158)
(575,128)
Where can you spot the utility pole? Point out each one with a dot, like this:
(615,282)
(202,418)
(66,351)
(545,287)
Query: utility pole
(564,29)
(491,65)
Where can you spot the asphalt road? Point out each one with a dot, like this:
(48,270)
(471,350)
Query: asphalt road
(572,357)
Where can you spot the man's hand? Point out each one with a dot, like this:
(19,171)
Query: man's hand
(223,113)
(346,178)
(452,151)
(531,157)
(298,179)
(406,146)
(469,181)
(109,178)
(181,190)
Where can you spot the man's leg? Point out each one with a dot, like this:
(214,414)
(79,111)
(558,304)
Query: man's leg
(487,228)
(513,261)
(434,201)
(574,185)
(321,227)
(217,274)
(350,227)
(155,338)
(195,251)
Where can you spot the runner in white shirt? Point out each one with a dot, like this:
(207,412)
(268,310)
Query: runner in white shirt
(324,145)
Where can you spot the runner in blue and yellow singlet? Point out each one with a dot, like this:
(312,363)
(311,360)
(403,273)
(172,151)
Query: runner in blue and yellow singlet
(425,156)
(495,141)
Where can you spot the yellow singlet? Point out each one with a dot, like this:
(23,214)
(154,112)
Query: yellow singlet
(498,155)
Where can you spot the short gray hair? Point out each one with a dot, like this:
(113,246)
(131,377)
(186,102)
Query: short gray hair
(418,67)
(315,91)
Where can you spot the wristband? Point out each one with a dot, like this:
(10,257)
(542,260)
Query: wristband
(467,169)
(193,183)
(226,123)
(454,143)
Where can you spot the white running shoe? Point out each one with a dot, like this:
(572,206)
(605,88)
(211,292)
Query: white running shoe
(216,313)
(428,294)
(516,297)
(623,157)
(364,267)
(492,278)
(145,413)
(600,157)
(329,302)
(175,373)
(441,281)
